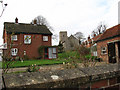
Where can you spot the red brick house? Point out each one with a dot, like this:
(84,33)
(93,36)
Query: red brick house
(91,43)
(108,45)
(25,39)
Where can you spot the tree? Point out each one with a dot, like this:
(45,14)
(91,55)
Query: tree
(40,20)
(101,28)
(79,36)
(3,7)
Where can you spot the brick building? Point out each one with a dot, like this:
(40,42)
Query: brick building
(108,45)
(91,43)
(24,40)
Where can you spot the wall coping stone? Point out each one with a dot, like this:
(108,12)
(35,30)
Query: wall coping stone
(61,78)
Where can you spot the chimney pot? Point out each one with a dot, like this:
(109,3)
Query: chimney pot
(35,21)
(88,37)
(16,20)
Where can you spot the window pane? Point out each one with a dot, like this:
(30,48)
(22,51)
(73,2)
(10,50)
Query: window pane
(45,38)
(54,50)
(14,37)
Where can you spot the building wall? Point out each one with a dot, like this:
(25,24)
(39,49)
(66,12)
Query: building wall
(104,44)
(31,49)
(69,43)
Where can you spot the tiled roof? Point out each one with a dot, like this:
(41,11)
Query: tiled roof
(111,32)
(26,28)
(96,37)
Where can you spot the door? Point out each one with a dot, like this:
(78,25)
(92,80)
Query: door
(111,53)
(46,53)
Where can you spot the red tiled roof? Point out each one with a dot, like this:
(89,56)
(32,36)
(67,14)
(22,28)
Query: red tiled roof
(111,32)
(96,37)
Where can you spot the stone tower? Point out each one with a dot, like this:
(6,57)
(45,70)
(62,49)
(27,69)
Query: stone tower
(64,39)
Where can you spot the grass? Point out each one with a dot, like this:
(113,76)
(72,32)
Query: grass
(62,57)
(37,62)
(0,64)
(66,55)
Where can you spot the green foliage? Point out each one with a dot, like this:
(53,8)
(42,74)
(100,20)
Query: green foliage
(68,55)
(91,57)
(60,48)
(41,51)
(33,68)
(30,62)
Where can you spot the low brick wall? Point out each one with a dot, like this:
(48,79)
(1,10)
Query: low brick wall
(93,77)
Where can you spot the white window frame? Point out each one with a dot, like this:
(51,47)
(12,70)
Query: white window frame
(28,37)
(14,51)
(52,53)
(45,38)
(103,49)
(14,37)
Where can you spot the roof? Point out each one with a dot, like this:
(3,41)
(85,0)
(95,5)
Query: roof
(96,37)
(26,28)
(71,36)
(110,33)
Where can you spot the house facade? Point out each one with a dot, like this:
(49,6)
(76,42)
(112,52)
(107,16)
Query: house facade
(24,40)
(108,45)
(91,43)
(69,43)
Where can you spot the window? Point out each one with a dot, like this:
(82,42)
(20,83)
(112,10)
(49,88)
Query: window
(24,52)
(14,37)
(52,53)
(103,50)
(45,38)
(27,39)
(14,51)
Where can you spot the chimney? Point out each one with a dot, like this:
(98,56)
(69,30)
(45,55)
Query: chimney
(88,37)
(35,21)
(94,35)
(16,20)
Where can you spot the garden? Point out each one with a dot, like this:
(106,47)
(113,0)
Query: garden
(69,59)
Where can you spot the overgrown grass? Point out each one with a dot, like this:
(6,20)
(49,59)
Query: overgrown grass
(66,55)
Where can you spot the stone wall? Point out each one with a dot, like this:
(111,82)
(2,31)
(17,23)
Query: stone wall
(93,77)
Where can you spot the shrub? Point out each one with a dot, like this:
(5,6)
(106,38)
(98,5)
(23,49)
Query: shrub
(33,68)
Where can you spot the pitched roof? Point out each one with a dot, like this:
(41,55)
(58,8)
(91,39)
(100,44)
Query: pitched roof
(26,28)
(110,33)
(96,37)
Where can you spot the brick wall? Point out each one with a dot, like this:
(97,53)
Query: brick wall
(31,49)
(104,44)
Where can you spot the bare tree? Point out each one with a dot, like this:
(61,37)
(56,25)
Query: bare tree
(40,20)
(101,28)
(79,36)
(3,7)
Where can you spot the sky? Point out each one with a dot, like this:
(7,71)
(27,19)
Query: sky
(62,15)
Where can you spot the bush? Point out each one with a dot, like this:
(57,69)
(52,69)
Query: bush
(33,68)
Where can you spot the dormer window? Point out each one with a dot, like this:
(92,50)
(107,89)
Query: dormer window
(45,38)
(14,37)
(27,39)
